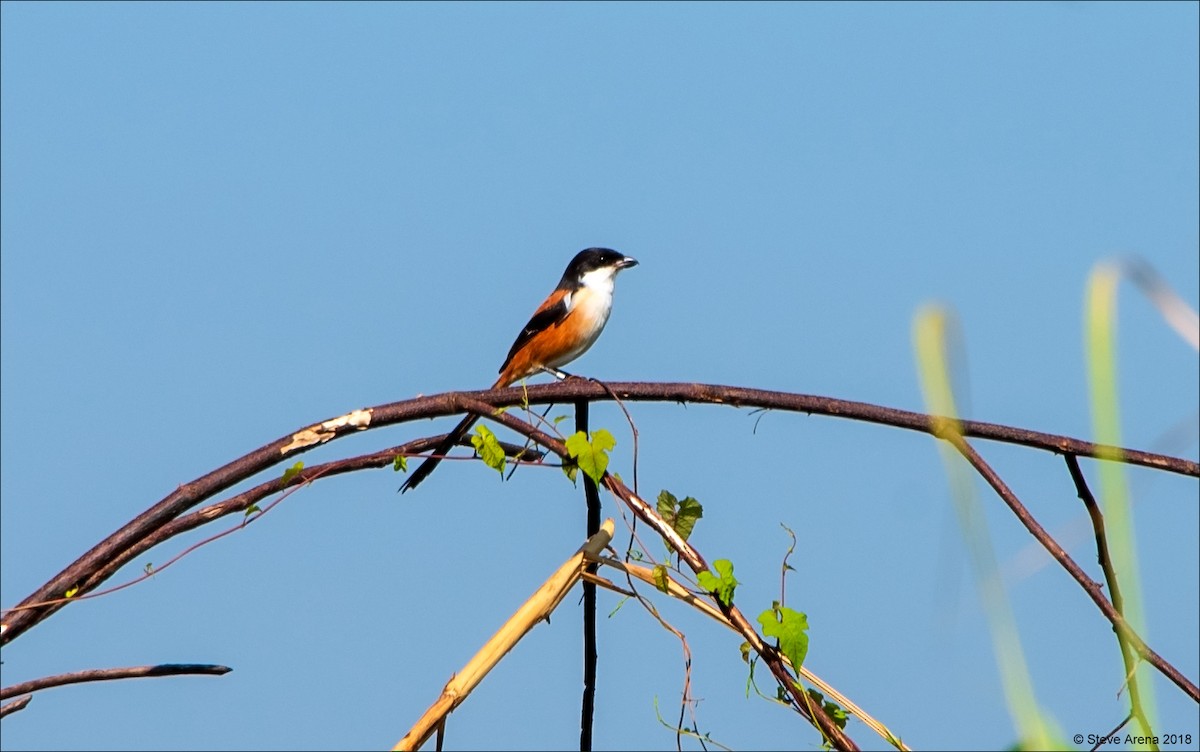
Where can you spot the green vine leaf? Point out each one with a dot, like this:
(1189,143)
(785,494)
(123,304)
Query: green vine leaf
(591,456)
(400,464)
(291,472)
(489,449)
(680,515)
(832,709)
(660,577)
(790,628)
(723,583)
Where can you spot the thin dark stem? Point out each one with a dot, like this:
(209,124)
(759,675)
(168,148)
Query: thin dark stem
(1114,590)
(592,496)
(1091,587)
(1104,738)
(632,428)
(108,674)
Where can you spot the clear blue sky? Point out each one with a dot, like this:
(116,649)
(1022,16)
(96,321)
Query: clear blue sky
(222,222)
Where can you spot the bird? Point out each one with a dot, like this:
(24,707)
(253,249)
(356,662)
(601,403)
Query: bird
(562,328)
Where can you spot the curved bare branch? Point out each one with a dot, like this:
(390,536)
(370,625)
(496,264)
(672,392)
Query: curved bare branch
(47,599)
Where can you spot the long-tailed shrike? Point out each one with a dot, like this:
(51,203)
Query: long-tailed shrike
(565,325)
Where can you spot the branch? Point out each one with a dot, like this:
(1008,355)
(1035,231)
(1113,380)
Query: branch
(107,556)
(1091,587)
(48,598)
(1110,734)
(1118,602)
(157,532)
(108,674)
(243,501)
(714,394)
(15,705)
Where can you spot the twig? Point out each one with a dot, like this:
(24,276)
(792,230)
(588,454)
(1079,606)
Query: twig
(109,674)
(1105,738)
(1089,586)
(15,705)
(632,428)
(1114,590)
(89,581)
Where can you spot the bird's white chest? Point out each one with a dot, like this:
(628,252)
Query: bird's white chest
(588,308)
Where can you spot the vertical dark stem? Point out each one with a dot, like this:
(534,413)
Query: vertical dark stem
(1114,592)
(592,494)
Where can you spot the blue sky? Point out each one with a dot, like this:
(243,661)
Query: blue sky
(223,222)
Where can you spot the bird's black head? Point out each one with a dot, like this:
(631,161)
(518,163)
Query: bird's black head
(594,259)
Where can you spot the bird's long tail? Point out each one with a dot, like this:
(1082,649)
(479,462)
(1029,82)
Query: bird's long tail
(425,468)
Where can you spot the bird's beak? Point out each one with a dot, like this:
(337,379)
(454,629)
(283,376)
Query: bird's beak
(627,262)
